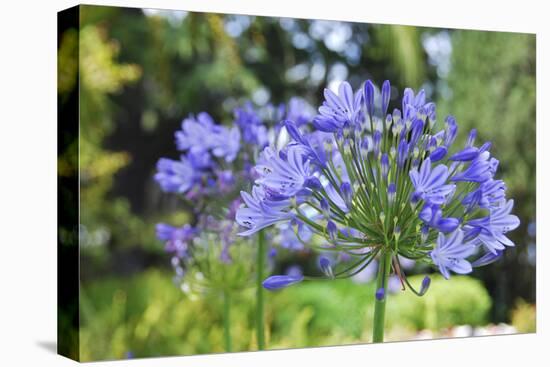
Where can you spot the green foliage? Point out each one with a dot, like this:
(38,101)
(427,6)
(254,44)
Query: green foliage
(148,316)
(524,317)
(460,300)
(492,89)
(492,86)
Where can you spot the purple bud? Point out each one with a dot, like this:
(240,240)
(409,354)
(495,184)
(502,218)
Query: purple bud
(325,207)
(424,232)
(325,265)
(391,192)
(485,147)
(365,147)
(466,154)
(324,262)
(272,252)
(430,112)
(431,143)
(471,138)
(339,137)
(416,131)
(332,231)
(447,224)
(347,193)
(450,130)
(313,183)
(293,131)
(380,293)
(388,121)
(402,153)
(427,212)
(377,137)
(164,231)
(438,153)
(425,285)
(275,282)
(386,94)
(368,94)
(396,114)
(385,165)
(397,231)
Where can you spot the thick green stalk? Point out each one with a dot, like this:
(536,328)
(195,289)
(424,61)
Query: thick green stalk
(380,305)
(260,291)
(227,320)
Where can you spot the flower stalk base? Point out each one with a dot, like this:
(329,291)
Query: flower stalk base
(227,321)
(260,291)
(380,300)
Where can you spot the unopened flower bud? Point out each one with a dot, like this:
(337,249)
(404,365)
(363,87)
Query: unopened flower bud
(347,193)
(332,231)
(380,294)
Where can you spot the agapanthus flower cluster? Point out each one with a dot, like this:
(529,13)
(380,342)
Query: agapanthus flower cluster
(215,163)
(370,182)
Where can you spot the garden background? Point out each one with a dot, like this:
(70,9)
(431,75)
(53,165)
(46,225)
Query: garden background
(142,72)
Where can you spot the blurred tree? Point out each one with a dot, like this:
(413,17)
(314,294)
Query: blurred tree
(100,77)
(492,89)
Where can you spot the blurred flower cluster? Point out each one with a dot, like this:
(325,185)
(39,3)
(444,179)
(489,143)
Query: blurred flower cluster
(215,163)
(373,183)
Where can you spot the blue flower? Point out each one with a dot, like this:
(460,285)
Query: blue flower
(251,125)
(299,111)
(430,184)
(176,239)
(260,212)
(415,104)
(450,254)
(313,144)
(489,193)
(338,109)
(227,143)
(200,136)
(492,229)
(196,132)
(481,169)
(175,176)
(287,176)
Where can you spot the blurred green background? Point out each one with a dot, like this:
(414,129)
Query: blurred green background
(142,71)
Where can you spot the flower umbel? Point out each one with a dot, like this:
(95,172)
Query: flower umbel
(383,186)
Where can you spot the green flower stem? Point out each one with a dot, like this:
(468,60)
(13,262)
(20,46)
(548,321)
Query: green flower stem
(260,291)
(227,320)
(380,306)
